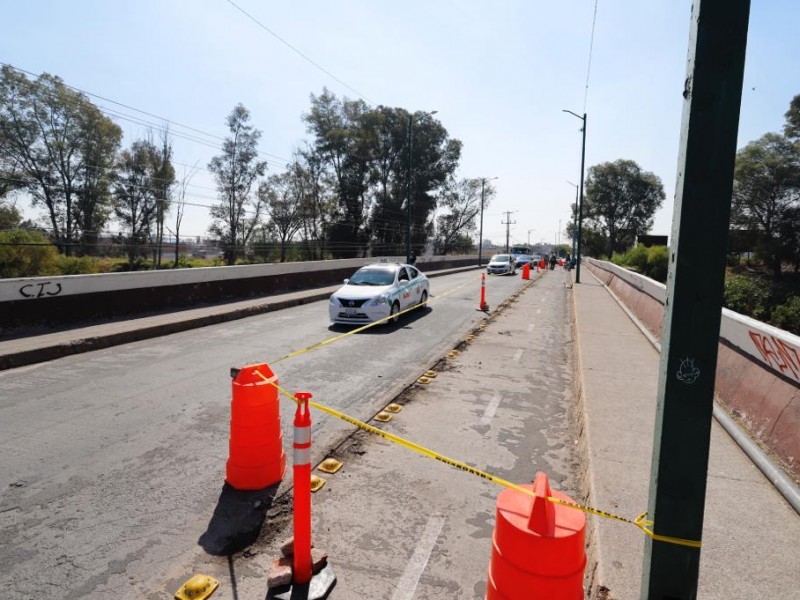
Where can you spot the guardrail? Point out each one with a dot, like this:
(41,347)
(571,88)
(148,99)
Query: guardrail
(68,299)
(758,367)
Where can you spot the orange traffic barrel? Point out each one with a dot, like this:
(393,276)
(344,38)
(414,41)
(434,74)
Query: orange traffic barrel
(526,271)
(256,458)
(537,547)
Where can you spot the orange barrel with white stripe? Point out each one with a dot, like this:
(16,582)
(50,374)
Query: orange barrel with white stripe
(256,457)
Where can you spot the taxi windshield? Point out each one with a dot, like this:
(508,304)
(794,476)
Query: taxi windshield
(500,258)
(372,277)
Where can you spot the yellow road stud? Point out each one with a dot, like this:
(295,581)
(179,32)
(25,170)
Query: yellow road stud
(329,465)
(431,374)
(424,379)
(394,408)
(197,588)
(317,483)
(383,417)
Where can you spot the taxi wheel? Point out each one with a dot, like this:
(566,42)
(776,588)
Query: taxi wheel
(424,298)
(394,316)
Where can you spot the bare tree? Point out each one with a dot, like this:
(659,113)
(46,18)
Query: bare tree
(180,207)
(284,197)
(462,201)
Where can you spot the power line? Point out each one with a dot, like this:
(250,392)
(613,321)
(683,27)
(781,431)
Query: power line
(589,66)
(137,121)
(306,58)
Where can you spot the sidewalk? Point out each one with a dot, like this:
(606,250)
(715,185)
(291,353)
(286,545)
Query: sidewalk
(751,537)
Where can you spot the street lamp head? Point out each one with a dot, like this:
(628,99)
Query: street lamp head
(582,118)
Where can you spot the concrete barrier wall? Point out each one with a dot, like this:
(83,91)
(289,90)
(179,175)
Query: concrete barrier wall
(758,368)
(67,299)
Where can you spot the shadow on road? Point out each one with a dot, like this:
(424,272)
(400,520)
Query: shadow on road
(237,520)
(382,329)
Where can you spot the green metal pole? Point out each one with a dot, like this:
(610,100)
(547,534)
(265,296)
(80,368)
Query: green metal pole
(580,206)
(713,92)
(408,193)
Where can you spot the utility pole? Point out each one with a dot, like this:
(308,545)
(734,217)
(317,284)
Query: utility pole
(408,180)
(529,237)
(580,199)
(508,223)
(707,153)
(480,235)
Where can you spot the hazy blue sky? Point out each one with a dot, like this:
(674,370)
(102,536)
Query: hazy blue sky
(499,73)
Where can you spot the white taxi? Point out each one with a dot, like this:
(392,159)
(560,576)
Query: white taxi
(378,291)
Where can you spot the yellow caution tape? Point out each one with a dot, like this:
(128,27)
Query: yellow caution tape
(640,521)
(368,325)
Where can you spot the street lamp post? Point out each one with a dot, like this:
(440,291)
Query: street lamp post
(574,217)
(408,188)
(580,199)
(480,234)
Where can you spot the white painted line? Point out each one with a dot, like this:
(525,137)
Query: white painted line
(530,327)
(538,310)
(413,571)
(488,414)
(517,355)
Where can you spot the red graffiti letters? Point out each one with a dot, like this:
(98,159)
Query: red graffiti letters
(778,354)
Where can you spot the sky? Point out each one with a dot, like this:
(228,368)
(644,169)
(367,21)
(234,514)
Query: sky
(499,74)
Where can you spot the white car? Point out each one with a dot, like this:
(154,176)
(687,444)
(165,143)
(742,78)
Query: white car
(378,291)
(502,263)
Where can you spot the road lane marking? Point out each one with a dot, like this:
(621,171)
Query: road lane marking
(530,327)
(517,355)
(538,310)
(488,414)
(415,567)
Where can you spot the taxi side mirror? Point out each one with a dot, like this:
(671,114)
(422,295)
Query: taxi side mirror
(346,281)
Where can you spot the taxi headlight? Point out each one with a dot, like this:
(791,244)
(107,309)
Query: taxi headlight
(377,301)
(334,300)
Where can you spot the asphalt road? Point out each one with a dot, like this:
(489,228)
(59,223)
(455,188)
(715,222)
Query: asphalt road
(113,461)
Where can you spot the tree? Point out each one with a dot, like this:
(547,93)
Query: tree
(47,131)
(283,197)
(236,170)
(10,217)
(93,199)
(792,127)
(180,207)
(163,182)
(766,185)
(319,204)
(462,201)
(621,201)
(136,195)
(343,140)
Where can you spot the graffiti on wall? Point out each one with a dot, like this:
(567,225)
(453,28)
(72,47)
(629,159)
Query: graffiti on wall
(777,354)
(40,290)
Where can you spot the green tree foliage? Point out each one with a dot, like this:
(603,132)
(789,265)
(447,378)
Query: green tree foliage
(51,137)
(621,201)
(27,254)
(651,262)
(10,217)
(283,197)
(137,193)
(461,201)
(766,193)
(236,170)
(792,127)
(747,295)
(787,316)
(367,153)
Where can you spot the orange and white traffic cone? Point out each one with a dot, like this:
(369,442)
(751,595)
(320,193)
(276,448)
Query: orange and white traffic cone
(484,307)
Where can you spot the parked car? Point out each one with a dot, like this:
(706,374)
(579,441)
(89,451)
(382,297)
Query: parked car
(378,291)
(501,264)
(522,260)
